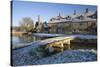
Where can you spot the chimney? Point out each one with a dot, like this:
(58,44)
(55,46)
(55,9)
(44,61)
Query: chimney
(39,19)
(74,12)
(86,10)
(59,14)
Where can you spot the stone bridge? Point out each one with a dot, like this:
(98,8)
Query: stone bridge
(59,42)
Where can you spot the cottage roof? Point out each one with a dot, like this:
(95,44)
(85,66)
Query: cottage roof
(73,18)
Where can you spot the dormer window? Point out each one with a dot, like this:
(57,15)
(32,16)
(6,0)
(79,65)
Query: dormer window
(68,17)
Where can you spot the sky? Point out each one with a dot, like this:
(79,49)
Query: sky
(22,9)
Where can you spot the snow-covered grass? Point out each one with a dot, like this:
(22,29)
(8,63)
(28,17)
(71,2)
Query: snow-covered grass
(32,56)
(69,56)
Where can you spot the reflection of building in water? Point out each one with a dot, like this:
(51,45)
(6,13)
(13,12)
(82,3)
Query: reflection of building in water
(83,22)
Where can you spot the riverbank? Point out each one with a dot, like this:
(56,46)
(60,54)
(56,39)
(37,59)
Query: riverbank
(15,33)
(22,57)
(29,56)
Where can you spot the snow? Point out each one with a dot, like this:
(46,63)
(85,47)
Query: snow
(22,57)
(65,35)
(47,35)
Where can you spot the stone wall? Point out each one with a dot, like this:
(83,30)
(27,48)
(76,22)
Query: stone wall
(65,27)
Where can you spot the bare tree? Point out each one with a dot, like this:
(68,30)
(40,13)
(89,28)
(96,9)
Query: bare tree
(26,24)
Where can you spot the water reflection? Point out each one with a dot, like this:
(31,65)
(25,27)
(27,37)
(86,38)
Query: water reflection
(25,39)
(17,40)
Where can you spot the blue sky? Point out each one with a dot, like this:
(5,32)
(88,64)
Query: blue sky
(22,9)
